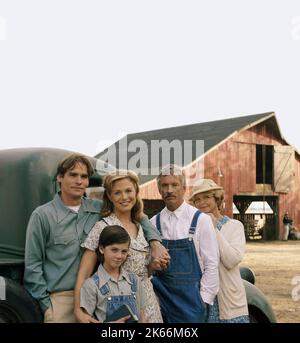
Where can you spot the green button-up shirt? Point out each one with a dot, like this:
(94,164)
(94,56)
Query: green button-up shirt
(52,251)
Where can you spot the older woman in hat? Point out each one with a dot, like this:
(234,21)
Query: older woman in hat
(230,305)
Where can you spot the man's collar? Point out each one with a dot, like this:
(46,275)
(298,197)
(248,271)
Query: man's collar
(61,209)
(90,205)
(87,205)
(178,210)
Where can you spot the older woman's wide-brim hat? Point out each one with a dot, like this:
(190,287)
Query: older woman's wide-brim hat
(204,185)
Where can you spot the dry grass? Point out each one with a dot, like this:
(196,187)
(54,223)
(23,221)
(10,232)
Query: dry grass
(275,264)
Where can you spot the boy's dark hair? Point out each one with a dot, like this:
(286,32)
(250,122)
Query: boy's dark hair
(112,234)
(70,161)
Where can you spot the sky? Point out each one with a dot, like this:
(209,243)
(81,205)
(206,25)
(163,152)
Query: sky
(79,75)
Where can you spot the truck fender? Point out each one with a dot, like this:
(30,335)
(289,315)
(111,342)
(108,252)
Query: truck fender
(16,304)
(258,304)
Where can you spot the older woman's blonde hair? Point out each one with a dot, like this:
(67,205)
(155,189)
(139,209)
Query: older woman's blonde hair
(137,212)
(219,195)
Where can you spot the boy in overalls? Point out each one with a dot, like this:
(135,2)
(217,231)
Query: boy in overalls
(190,283)
(111,287)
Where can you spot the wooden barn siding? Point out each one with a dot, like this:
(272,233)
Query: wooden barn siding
(260,134)
(222,159)
(235,159)
(149,191)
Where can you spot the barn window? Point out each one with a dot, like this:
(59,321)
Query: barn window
(264,164)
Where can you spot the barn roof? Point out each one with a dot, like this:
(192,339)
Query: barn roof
(212,133)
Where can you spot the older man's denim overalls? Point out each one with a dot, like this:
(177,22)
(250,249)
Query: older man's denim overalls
(115,301)
(178,287)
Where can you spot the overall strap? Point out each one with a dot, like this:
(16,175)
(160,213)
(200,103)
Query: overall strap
(103,220)
(158,222)
(95,277)
(133,280)
(104,289)
(194,222)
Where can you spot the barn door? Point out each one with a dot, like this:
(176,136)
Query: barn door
(283,168)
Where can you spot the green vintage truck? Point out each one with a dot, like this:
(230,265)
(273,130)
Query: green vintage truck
(28,180)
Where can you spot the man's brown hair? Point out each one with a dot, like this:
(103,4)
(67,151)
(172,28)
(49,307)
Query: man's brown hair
(70,161)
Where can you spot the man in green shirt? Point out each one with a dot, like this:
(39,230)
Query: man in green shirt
(54,234)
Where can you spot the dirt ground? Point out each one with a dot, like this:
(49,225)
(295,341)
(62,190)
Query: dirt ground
(275,265)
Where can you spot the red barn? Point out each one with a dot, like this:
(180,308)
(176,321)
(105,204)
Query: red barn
(247,155)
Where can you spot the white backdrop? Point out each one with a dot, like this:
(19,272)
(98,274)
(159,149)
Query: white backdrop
(80,74)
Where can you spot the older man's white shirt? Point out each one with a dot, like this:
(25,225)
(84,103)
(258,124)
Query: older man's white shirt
(175,225)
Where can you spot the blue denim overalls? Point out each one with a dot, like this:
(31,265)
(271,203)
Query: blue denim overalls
(115,301)
(178,287)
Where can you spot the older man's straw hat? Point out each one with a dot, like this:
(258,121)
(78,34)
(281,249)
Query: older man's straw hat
(204,185)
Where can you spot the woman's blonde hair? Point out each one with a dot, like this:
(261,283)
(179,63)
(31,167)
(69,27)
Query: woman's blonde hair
(137,212)
(219,195)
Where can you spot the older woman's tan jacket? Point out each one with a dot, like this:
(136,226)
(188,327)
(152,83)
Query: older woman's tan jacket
(232,296)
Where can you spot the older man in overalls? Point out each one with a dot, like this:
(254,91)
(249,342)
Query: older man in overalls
(190,283)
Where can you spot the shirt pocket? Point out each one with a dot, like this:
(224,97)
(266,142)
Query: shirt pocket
(65,239)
